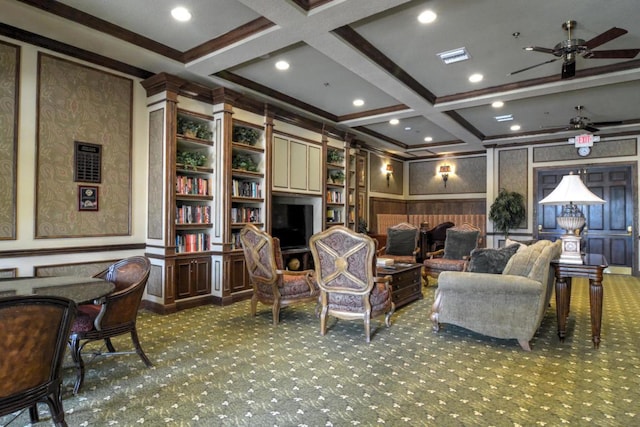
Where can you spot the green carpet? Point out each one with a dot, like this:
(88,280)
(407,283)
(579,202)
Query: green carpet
(220,366)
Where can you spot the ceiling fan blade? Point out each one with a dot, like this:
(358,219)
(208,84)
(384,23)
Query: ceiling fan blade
(590,128)
(608,35)
(532,66)
(604,124)
(568,70)
(615,53)
(540,49)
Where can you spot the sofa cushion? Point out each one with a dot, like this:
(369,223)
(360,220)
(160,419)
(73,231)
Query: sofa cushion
(487,260)
(459,243)
(523,261)
(400,242)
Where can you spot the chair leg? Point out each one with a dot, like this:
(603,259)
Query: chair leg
(367,326)
(76,355)
(323,320)
(254,304)
(33,413)
(110,347)
(387,317)
(139,351)
(276,312)
(54,400)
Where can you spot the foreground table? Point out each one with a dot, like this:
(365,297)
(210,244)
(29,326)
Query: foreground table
(81,290)
(594,265)
(406,285)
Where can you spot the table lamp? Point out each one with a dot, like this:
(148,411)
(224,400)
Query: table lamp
(569,193)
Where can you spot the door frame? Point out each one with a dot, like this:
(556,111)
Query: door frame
(577,167)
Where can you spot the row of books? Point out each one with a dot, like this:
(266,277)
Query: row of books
(193,185)
(193,242)
(235,241)
(246,189)
(198,214)
(334,197)
(245,214)
(334,215)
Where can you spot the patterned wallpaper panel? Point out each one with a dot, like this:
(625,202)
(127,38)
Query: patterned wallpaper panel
(79,103)
(513,167)
(156,136)
(468,175)
(84,269)
(9,61)
(378,178)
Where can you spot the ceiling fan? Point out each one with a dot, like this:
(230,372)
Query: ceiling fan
(568,49)
(580,122)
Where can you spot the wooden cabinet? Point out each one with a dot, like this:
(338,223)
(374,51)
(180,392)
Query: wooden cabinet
(296,166)
(406,285)
(193,277)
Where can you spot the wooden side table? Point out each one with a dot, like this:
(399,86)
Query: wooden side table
(406,283)
(594,265)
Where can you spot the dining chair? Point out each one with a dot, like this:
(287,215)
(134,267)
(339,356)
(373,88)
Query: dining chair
(272,284)
(34,331)
(114,315)
(345,269)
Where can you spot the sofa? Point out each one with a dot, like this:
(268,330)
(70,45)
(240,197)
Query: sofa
(506,305)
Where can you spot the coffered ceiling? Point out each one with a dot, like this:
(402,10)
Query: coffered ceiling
(376,51)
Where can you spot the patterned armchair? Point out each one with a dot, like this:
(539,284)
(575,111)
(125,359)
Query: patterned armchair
(459,243)
(345,269)
(272,285)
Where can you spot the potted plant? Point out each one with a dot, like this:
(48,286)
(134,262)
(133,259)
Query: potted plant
(245,135)
(191,159)
(244,162)
(203,132)
(337,177)
(507,211)
(334,156)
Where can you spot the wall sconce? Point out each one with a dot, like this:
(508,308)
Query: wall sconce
(389,170)
(444,173)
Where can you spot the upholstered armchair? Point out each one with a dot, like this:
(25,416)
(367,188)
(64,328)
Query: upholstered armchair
(345,269)
(112,316)
(402,243)
(34,331)
(458,244)
(272,284)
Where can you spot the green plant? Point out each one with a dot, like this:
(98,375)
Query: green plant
(337,176)
(335,156)
(191,159)
(507,211)
(244,161)
(246,135)
(203,131)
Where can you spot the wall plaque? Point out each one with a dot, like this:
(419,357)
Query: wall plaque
(88,162)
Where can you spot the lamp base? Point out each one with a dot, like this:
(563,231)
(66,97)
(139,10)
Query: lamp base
(570,249)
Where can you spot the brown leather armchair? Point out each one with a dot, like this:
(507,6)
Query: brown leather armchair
(272,285)
(345,270)
(459,243)
(114,315)
(34,331)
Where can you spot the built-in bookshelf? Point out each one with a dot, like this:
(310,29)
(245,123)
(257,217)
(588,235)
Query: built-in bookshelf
(352,192)
(336,195)
(247,179)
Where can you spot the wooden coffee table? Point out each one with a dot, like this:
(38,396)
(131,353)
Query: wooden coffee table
(406,282)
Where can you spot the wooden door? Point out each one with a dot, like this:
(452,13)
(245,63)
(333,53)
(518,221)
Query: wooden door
(608,225)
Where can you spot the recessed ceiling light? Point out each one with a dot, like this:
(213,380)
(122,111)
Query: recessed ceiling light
(181,14)
(505,118)
(475,78)
(428,139)
(282,65)
(394,121)
(407,128)
(427,17)
(497,104)
(358,102)
(515,127)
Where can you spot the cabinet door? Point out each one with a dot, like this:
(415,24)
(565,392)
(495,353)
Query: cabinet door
(202,276)
(298,173)
(239,278)
(314,167)
(183,278)
(280,171)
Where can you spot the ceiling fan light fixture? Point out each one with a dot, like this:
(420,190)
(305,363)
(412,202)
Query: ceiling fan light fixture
(455,55)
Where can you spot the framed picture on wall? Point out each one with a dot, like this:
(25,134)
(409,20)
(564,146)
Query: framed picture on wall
(87,198)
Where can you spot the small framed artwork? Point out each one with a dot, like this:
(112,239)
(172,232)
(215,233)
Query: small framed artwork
(87,198)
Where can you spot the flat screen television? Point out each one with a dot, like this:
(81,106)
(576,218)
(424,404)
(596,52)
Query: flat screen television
(292,224)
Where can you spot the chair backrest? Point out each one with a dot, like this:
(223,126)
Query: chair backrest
(402,239)
(259,255)
(34,331)
(460,241)
(344,260)
(130,276)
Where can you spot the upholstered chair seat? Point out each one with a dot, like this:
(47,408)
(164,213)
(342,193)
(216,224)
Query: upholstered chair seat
(459,243)
(401,243)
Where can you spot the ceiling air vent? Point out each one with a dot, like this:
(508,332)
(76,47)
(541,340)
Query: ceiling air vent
(455,55)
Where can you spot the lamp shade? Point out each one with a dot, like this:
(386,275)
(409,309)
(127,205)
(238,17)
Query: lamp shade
(571,190)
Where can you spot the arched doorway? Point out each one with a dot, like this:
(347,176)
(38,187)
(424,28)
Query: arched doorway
(610,229)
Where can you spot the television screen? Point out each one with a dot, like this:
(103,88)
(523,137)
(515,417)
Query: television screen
(292,224)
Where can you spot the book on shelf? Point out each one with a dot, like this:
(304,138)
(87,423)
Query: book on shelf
(245,214)
(193,242)
(193,185)
(198,214)
(251,189)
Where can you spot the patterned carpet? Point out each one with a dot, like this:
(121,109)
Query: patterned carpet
(218,366)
